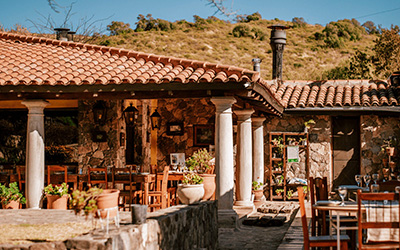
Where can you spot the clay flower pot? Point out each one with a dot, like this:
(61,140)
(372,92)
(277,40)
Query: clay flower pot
(258,194)
(57,202)
(390,151)
(189,194)
(209,185)
(11,205)
(108,199)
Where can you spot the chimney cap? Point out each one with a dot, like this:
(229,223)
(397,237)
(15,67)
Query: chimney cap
(61,29)
(279,27)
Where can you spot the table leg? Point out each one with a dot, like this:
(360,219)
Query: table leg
(146,193)
(338,229)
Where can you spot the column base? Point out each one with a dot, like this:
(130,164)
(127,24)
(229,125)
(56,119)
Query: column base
(227,218)
(244,204)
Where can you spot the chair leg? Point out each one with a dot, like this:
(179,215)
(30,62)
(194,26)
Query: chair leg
(343,245)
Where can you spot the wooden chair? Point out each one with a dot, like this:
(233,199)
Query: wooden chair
(129,190)
(97,176)
(318,191)
(369,203)
(160,199)
(318,241)
(21,177)
(56,168)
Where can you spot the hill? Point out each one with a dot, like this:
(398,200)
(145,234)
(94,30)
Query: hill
(311,50)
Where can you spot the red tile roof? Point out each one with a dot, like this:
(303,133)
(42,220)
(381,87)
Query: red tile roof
(27,60)
(334,93)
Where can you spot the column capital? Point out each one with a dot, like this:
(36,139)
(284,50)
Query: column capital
(243,114)
(35,106)
(257,121)
(223,103)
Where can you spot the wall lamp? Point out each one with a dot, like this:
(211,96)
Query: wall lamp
(130,115)
(155,120)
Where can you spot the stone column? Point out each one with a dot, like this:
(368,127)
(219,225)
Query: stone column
(34,176)
(258,150)
(227,217)
(244,161)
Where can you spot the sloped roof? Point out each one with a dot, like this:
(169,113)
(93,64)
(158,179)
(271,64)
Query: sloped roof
(334,94)
(42,65)
(37,67)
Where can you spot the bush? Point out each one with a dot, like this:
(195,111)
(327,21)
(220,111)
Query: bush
(248,18)
(117,28)
(148,23)
(336,33)
(370,27)
(241,30)
(298,22)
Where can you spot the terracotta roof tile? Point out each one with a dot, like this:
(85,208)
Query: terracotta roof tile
(53,62)
(334,93)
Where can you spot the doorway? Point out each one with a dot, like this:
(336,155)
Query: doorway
(346,149)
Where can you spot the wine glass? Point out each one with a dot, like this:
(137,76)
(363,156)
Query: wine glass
(375,177)
(367,180)
(358,178)
(137,168)
(342,193)
(375,188)
(175,167)
(397,189)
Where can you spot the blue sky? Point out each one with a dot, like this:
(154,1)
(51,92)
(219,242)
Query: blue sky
(384,12)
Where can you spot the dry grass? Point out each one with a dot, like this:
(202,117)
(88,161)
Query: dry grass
(28,233)
(304,58)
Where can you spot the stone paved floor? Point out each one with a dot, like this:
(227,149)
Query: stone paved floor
(288,236)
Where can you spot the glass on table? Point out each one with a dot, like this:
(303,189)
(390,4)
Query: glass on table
(375,178)
(397,189)
(137,168)
(374,188)
(342,193)
(358,178)
(367,180)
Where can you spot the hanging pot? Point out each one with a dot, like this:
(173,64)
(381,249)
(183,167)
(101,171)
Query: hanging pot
(57,202)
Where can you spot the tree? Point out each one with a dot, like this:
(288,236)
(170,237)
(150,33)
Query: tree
(370,27)
(387,52)
(219,5)
(117,28)
(343,30)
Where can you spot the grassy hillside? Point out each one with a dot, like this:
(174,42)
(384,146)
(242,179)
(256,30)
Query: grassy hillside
(305,57)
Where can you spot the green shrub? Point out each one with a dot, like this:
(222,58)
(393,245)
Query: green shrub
(298,22)
(117,28)
(241,30)
(337,33)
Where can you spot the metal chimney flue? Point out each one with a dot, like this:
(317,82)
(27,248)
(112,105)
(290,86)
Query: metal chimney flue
(62,34)
(277,42)
(256,64)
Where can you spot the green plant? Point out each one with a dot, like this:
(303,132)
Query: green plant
(308,123)
(192,179)
(279,191)
(85,201)
(289,193)
(257,185)
(279,179)
(199,161)
(56,189)
(11,193)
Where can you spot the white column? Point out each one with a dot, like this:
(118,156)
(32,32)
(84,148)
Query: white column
(244,161)
(227,217)
(34,176)
(258,150)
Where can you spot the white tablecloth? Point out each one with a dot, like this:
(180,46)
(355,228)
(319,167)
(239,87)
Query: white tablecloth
(378,212)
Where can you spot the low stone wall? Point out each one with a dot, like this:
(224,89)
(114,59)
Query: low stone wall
(179,227)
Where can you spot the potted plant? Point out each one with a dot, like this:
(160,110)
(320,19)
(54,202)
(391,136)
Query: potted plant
(191,190)
(200,162)
(90,201)
(278,145)
(258,190)
(279,191)
(308,125)
(389,146)
(57,196)
(10,196)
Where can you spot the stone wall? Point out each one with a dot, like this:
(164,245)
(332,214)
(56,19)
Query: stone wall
(374,130)
(191,227)
(188,111)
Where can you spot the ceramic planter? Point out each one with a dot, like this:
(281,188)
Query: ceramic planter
(189,194)
(390,151)
(57,202)
(258,194)
(209,185)
(108,199)
(11,205)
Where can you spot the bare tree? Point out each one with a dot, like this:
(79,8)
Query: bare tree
(219,5)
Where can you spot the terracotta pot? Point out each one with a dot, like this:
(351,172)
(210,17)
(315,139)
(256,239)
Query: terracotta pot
(209,185)
(258,194)
(11,205)
(57,202)
(189,194)
(108,199)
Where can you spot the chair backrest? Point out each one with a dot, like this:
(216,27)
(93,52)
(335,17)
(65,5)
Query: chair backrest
(304,225)
(318,191)
(21,176)
(388,185)
(56,168)
(153,169)
(164,188)
(97,176)
(377,208)
(126,170)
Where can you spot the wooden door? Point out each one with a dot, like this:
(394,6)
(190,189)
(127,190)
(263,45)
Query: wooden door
(346,149)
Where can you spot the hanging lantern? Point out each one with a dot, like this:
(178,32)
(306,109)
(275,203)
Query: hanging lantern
(99,112)
(130,114)
(155,120)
